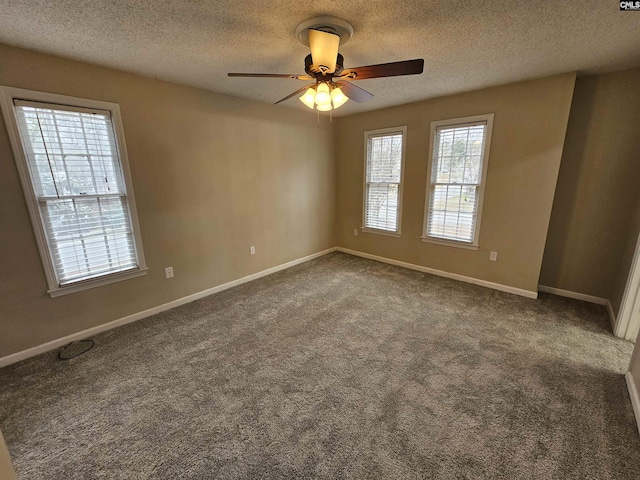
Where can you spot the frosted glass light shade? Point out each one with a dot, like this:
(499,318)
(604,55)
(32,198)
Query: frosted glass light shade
(322,94)
(324,50)
(309,97)
(324,108)
(338,98)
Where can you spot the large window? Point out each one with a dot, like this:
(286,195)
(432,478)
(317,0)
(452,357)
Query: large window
(458,159)
(71,158)
(383,180)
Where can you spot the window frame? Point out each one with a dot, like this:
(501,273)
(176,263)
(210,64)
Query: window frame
(458,122)
(7,96)
(379,133)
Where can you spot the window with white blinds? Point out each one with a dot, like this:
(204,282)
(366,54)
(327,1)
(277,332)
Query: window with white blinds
(80,193)
(459,158)
(383,179)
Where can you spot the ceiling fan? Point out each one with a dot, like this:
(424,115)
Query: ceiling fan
(332,85)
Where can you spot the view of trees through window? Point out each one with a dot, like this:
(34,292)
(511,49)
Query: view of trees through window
(455,181)
(76,175)
(384,163)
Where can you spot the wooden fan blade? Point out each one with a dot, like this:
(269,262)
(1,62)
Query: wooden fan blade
(393,69)
(271,75)
(300,90)
(356,94)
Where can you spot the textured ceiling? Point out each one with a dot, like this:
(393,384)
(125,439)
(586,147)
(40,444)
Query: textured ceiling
(466,44)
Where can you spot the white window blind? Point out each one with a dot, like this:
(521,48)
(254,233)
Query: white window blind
(383,180)
(457,172)
(77,178)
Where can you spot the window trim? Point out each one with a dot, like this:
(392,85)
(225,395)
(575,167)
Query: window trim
(458,122)
(381,132)
(7,96)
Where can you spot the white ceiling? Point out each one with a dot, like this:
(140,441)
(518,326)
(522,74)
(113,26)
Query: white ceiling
(466,44)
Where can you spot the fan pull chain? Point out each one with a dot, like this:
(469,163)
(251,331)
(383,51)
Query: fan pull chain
(318,117)
(330,116)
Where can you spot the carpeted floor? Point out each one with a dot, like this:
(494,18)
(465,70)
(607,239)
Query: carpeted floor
(337,368)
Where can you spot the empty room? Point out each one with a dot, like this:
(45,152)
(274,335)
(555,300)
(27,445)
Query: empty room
(294,239)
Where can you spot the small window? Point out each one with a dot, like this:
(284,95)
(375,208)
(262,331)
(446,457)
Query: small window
(383,180)
(70,155)
(459,157)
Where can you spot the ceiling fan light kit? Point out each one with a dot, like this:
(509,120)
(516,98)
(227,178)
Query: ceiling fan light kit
(324,97)
(325,65)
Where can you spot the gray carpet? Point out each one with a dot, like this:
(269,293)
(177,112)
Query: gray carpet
(337,368)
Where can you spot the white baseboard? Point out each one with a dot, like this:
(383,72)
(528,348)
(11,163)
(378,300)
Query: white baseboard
(585,298)
(569,294)
(53,344)
(441,273)
(633,394)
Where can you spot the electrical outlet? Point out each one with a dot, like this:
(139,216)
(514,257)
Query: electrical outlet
(252,250)
(168,272)
(355,232)
(493,256)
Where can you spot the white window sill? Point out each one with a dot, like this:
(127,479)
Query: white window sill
(381,232)
(98,282)
(450,243)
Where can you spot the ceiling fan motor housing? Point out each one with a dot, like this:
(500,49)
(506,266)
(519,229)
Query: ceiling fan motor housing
(315,72)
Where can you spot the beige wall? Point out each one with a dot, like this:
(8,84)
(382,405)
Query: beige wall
(213,175)
(592,231)
(528,135)
(626,258)
(6,468)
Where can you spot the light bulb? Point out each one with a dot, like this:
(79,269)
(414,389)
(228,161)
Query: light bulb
(308,97)
(322,94)
(338,98)
(325,107)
